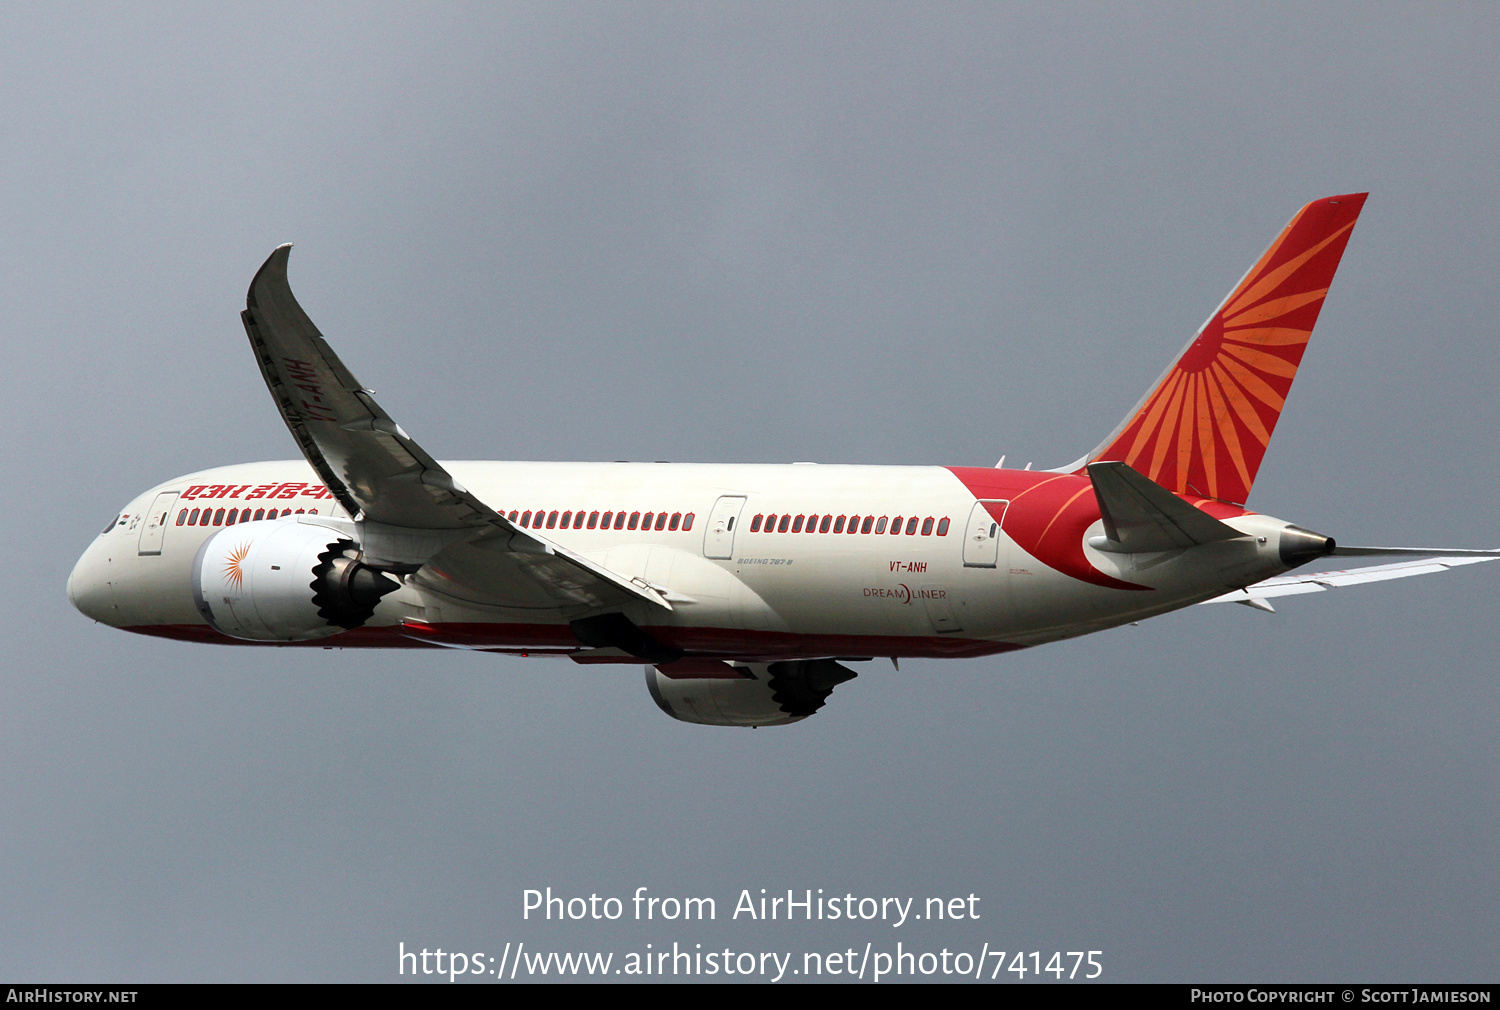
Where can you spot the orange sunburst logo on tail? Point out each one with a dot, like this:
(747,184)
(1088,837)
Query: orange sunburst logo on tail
(234,574)
(1204,429)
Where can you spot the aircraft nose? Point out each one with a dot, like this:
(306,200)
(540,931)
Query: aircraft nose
(89,589)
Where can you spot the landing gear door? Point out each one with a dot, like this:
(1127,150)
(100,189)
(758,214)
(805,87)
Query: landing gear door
(982,535)
(155,529)
(718,532)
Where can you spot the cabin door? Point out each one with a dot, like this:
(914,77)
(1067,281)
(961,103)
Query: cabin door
(718,533)
(155,529)
(982,535)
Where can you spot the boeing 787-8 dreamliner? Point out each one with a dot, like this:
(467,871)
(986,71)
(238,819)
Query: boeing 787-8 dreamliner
(744,588)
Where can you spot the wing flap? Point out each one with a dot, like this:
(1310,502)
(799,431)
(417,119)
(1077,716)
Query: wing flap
(519,572)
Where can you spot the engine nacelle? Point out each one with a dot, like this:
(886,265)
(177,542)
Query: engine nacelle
(752,694)
(284,581)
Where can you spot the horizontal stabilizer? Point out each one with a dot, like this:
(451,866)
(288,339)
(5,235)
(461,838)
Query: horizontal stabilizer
(1141,516)
(1320,582)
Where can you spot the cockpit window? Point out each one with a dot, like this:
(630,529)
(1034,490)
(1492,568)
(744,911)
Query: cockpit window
(109,525)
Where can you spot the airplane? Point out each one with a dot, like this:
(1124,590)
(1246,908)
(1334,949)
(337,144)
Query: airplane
(744,589)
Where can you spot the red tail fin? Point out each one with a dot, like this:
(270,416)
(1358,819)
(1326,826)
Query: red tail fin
(1204,428)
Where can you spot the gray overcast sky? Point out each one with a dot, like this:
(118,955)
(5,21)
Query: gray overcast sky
(847,233)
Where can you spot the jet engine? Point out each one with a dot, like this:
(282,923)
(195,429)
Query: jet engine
(284,581)
(754,694)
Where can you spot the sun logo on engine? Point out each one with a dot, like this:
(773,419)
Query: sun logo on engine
(233,573)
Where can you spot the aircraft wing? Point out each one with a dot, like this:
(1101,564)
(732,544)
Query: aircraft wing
(369,464)
(407,506)
(1318,582)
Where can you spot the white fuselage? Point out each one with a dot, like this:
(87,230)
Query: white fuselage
(945,585)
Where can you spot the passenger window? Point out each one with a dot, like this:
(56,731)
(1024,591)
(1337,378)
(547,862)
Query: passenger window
(567,520)
(646,521)
(771,523)
(552,519)
(866,527)
(578,520)
(193,518)
(827,521)
(593,520)
(219,518)
(754,523)
(812,524)
(301,511)
(927,526)
(896,525)
(676,521)
(619,520)
(687,522)
(181,518)
(512,516)
(911,526)
(838,525)
(879,526)
(526,519)
(783,524)
(943,527)
(229,519)
(661,520)
(635,520)
(797,524)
